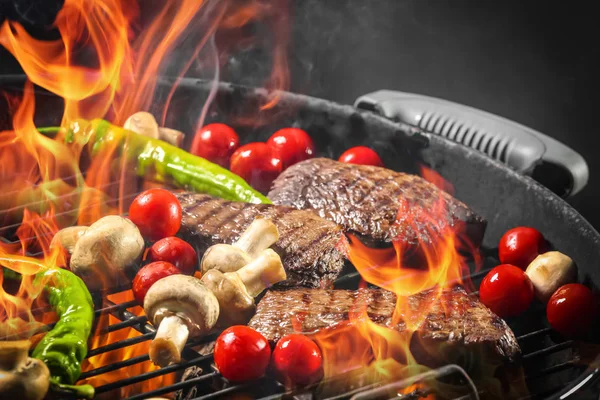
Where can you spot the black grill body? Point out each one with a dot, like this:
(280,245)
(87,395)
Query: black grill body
(553,366)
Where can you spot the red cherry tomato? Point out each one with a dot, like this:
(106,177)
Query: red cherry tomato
(297,360)
(571,309)
(157,213)
(215,142)
(176,251)
(242,354)
(361,155)
(506,290)
(148,275)
(520,246)
(291,145)
(257,165)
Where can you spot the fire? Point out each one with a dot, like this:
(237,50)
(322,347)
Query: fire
(19,296)
(106,64)
(435,264)
(126,353)
(435,178)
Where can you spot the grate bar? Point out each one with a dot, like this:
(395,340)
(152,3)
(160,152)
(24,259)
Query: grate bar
(140,359)
(229,390)
(355,391)
(141,320)
(347,277)
(113,306)
(151,374)
(120,344)
(114,366)
(529,335)
(548,350)
(551,370)
(174,387)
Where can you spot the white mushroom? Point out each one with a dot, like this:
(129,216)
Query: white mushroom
(21,377)
(171,136)
(236,290)
(68,237)
(143,123)
(181,307)
(107,251)
(260,235)
(549,271)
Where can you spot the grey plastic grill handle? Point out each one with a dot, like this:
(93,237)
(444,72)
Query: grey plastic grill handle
(518,146)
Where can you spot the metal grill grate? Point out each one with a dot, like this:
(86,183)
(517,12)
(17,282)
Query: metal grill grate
(549,363)
(536,341)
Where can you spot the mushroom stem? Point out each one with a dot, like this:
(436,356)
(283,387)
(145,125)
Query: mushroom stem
(224,257)
(260,235)
(180,306)
(171,136)
(263,272)
(171,336)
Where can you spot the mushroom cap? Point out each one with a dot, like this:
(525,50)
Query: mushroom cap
(236,305)
(549,271)
(28,381)
(105,251)
(143,123)
(185,297)
(68,237)
(224,257)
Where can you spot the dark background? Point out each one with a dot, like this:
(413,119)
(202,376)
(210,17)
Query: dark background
(534,62)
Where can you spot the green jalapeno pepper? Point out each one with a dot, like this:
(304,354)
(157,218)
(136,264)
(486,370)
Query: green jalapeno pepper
(65,346)
(161,162)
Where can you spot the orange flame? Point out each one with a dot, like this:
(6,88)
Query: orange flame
(435,178)
(126,353)
(17,298)
(393,351)
(106,64)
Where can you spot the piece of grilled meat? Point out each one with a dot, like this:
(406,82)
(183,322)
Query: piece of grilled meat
(311,248)
(376,203)
(453,317)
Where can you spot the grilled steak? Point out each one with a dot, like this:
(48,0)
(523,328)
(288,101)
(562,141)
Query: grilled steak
(311,248)
(376,203)
(454,318)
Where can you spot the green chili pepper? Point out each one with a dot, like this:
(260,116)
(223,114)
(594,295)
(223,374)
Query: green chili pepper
(159,161)
(65,346)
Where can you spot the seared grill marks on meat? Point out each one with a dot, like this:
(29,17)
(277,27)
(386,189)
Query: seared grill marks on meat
(365,200)
(311,248)
(455,318)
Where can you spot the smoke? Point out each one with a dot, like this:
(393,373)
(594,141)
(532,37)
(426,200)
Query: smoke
(325,38)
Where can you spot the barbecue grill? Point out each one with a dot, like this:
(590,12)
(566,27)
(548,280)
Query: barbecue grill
(553,367)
